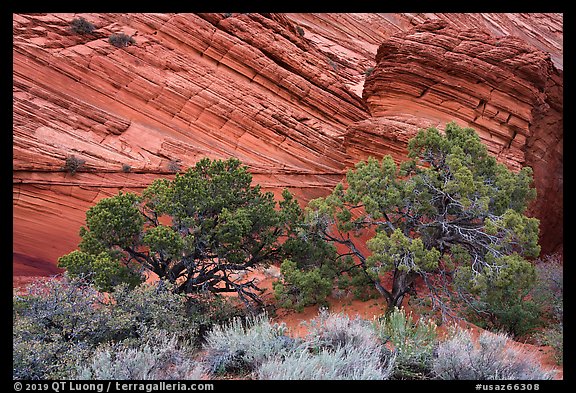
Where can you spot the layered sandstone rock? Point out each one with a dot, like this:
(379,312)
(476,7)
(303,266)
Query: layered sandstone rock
(282,92)
(508,91)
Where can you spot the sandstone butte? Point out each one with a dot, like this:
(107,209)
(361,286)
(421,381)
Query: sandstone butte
(299,98)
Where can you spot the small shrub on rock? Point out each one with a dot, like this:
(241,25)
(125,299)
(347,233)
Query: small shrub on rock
(82,26)
(121,40)
(73,164)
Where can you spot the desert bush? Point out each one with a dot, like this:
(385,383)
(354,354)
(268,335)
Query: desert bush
(414,342)
(59,322)
(82,26)
(341,363)
(332,330)
(490,358)
(208,309)
(121,40)
(44,359)
(549,288)
(59,307)
(336,347)
(152,307)
(73,164)
(554,337)
(243,344)
(55,324)
(300,288)
(159,357)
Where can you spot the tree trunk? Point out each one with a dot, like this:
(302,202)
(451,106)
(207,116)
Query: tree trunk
(401,284)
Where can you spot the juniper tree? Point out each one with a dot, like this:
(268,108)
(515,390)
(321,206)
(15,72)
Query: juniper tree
(200,231)
(450,214)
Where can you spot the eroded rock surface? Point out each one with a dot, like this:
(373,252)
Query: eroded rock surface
(285,93)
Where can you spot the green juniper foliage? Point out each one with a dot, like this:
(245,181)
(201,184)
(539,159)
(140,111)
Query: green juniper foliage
(198,231)
(451,210)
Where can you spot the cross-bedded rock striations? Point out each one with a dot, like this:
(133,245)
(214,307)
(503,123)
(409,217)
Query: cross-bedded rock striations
(282,92)
(508,91)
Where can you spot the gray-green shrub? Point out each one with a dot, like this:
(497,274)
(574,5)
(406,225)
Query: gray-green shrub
(490,358)
(154,306)
(242,344)
(554,337)
(333,330)
(549,288)
(160,357)
(60,322)
(336,347)
(341,363)
(55,324)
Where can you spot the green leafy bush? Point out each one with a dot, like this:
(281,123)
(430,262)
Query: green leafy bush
(413,341)
(300,288)
(501,301)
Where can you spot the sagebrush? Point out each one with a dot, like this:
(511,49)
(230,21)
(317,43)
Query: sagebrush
(490,358)
(158,357)
(242,344)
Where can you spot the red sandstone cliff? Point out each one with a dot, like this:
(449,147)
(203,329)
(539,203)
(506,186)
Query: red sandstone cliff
(283,92)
